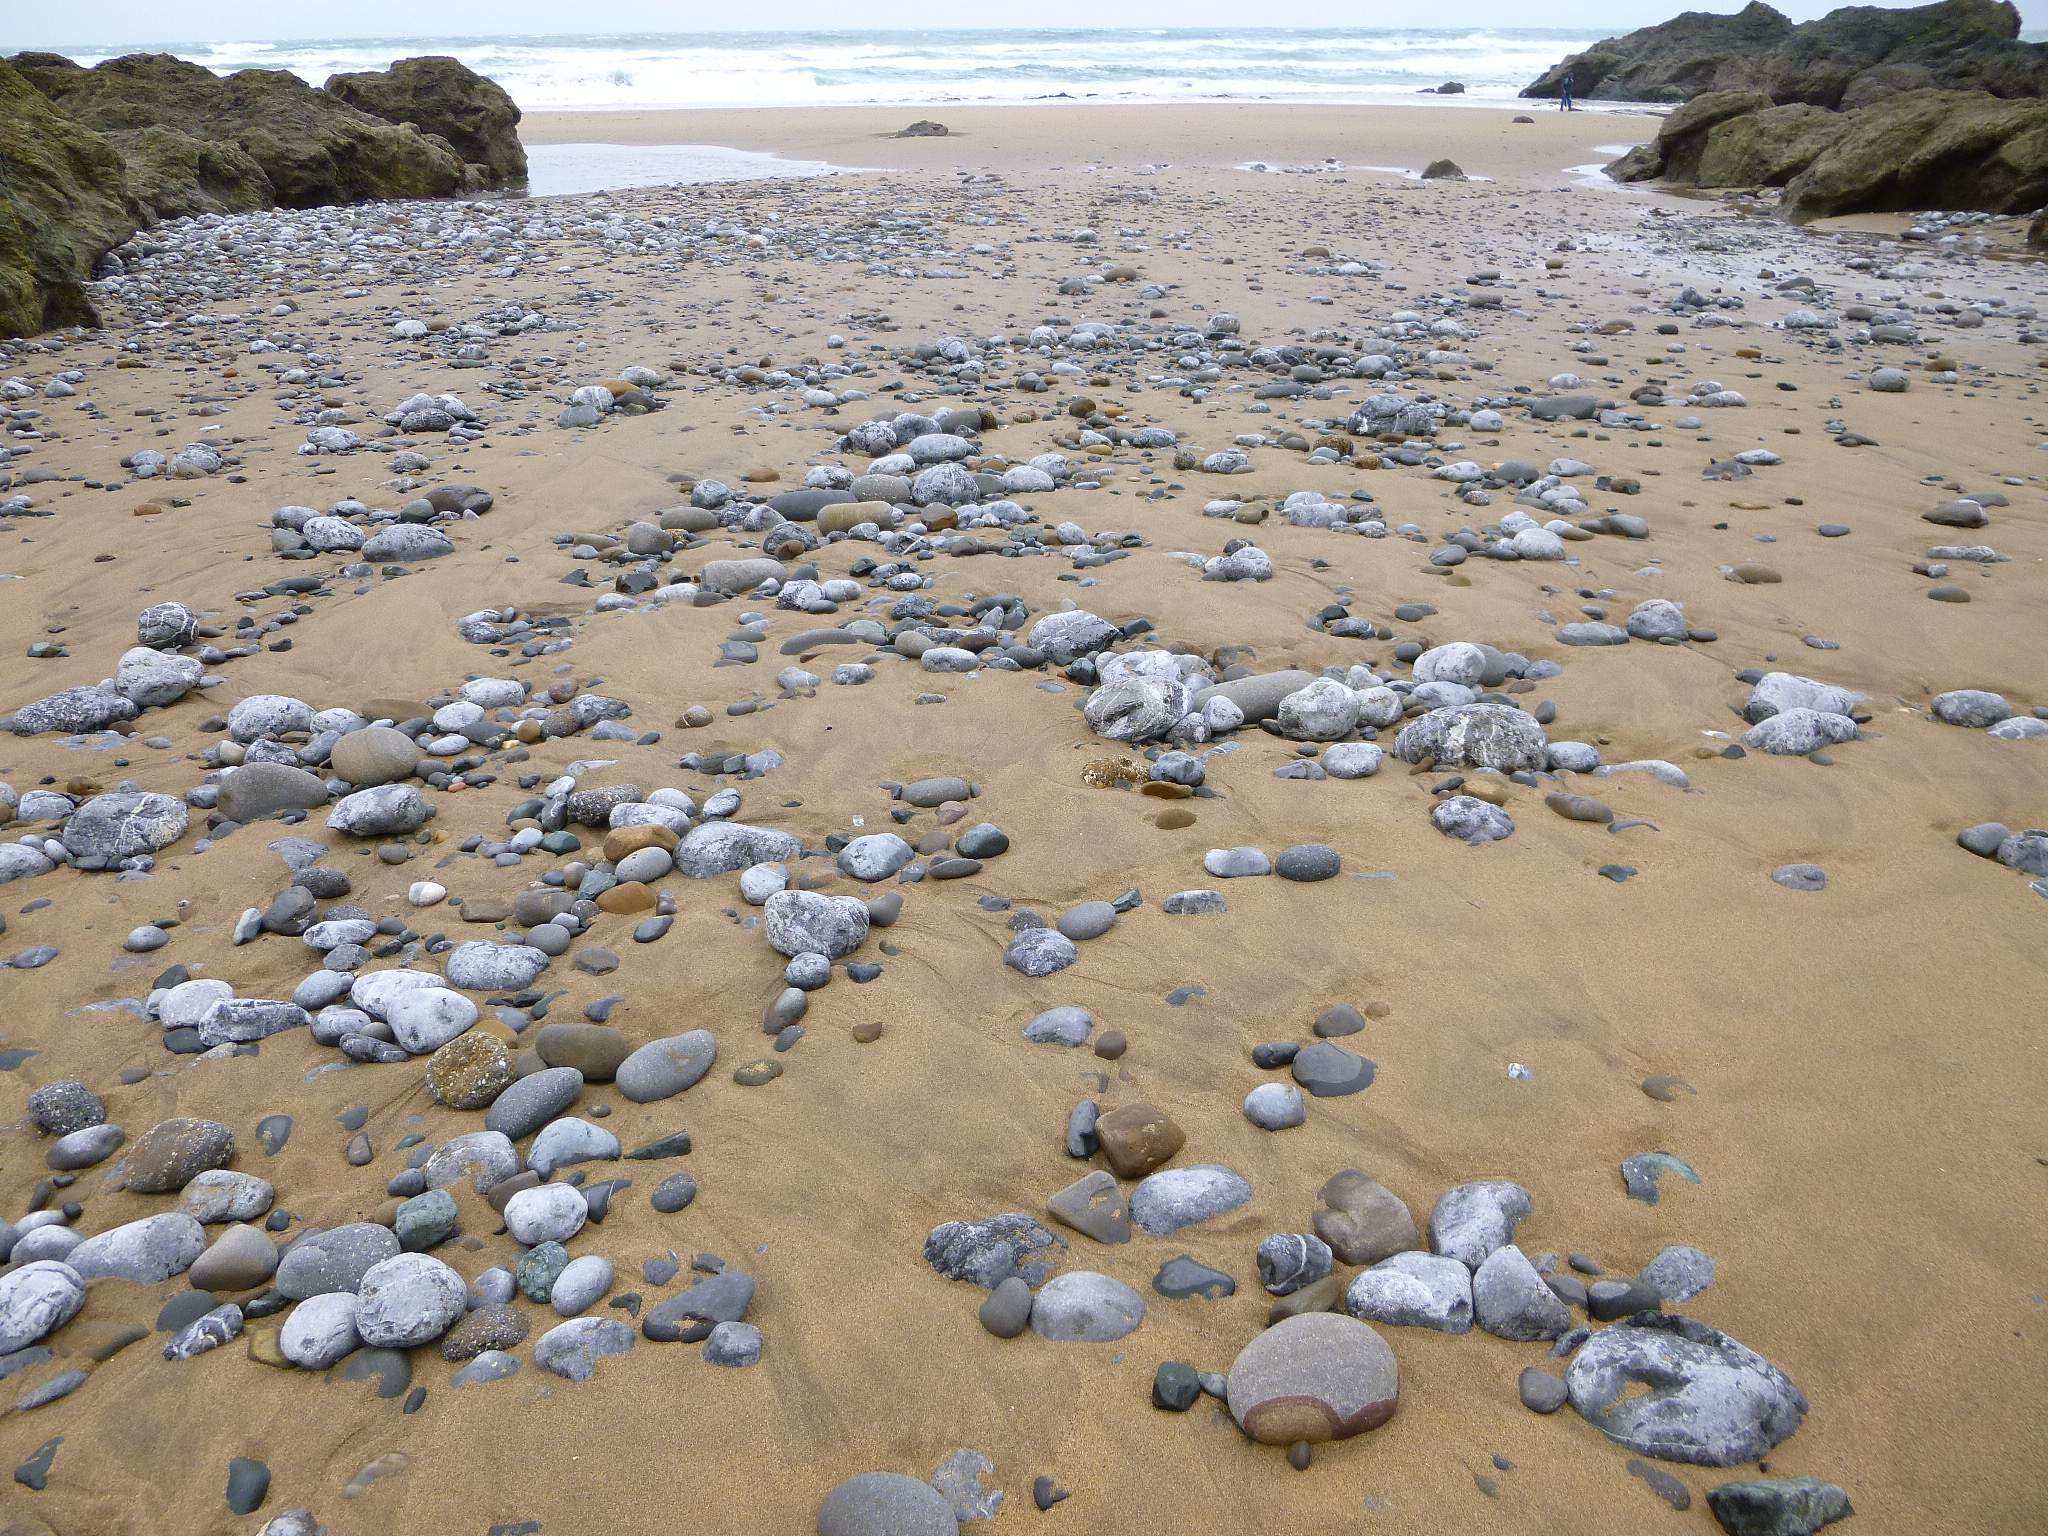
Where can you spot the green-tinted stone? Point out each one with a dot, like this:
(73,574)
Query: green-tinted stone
(540,1268)
(425,1220)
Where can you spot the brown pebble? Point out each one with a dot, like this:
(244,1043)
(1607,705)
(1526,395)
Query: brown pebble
(1324,1295)
(1174,820)
(868,1033)
(265,1348)
(627,896)
(621,841)
(1110,1045)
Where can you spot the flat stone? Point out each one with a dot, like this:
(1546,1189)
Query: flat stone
(147,1251)
(1414,1290)
(988,1252)
(1095,1206)
(335,1260)
(1174,1198)
(571,1350)
(1710,1400)
(1779,1506)
(171,1153)
(1328,1070)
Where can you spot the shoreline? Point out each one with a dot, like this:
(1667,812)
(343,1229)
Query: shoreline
(1216,135)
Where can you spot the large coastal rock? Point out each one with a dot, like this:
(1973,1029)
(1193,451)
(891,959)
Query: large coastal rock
(1848,58)
(64,203)
(172,175)
(89,155)
(1930,149)
(312,148)
(441,96)
(1920,149)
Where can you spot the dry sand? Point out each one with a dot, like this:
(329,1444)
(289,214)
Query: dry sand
(1867,1063)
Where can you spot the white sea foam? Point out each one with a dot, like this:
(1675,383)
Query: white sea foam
(913,68)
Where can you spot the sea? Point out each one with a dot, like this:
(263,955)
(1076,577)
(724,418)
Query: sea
(935,68)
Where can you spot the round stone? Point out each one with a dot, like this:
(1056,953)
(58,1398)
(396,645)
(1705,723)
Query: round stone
(660,1069)
(65,1106)
(1007,1311)
(1308,862)
(171,1153)
(1540,1391)
(321,1262)
(1084,1307)
(885,1504)
(1089,920)
(241,1259)
(551,1213)
(320,1330)
(408,1300)
(36,1299)
(1275,1106)
(1315,1377)
(427,1018)
(377,754)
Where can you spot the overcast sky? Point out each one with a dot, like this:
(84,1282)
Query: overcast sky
(25,24)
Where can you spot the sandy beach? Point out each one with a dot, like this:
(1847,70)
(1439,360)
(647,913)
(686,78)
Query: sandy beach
(1855,1074)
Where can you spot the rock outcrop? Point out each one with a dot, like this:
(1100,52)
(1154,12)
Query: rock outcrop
(312,148)
(89,155)
(63,204)
(1849,58)
(443,97)
(1919,149)
(1930,149)
(1733,139)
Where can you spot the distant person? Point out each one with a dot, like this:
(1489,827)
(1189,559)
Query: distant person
(1564,95)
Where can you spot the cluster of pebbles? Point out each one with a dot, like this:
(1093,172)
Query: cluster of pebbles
(488,1244)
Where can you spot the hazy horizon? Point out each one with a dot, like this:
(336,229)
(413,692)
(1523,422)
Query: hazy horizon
(97,24)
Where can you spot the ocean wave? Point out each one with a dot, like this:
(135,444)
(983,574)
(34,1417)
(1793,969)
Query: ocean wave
(785,69)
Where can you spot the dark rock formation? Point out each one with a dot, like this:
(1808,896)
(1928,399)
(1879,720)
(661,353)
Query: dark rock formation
(312,148)
(1849,58)
(63,204)
(1930,149)
(172,174)
(441,96)
(1919,149)
(1732,139)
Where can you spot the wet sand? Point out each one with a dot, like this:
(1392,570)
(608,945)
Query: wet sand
(1865,1062)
